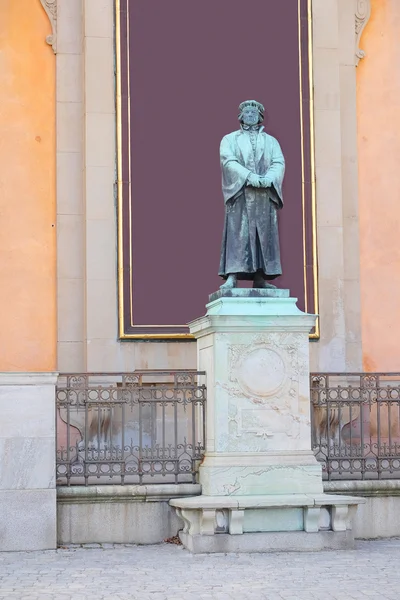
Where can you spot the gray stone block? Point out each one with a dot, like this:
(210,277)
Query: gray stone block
(27,520)
(27,463)
(27,411)
(127,522)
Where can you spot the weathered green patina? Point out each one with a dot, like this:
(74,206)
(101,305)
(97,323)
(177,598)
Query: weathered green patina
(253,169)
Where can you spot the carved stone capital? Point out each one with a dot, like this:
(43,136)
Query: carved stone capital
(363,13)
(50,6)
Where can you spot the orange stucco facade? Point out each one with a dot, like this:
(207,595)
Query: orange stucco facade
(27,189)
(378,110)
(28,295)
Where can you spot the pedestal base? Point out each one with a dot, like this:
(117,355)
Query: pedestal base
(266,523)
(261,483)
(257,474)
(268,542)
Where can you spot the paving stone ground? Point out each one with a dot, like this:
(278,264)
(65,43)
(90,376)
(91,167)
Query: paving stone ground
(167,572)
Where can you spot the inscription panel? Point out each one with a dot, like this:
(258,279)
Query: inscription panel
(263,407)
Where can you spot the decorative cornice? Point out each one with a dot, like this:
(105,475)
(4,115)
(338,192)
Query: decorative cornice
(50,6)
(363,13)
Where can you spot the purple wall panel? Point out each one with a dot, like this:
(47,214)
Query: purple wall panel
(190,64)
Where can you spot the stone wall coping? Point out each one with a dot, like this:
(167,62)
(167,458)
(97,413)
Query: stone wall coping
(23,378)
(165,492)
(366,488)
(125,493)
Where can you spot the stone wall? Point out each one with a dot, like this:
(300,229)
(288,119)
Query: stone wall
(142,515)
(27,461)
(134,514)
(379,517)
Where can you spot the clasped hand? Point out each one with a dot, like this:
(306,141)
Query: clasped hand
(259,181)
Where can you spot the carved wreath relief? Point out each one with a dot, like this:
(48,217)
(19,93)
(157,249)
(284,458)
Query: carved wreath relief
(260,372)
(266,367)
(264,390)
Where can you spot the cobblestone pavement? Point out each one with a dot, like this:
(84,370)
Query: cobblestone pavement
(167,572)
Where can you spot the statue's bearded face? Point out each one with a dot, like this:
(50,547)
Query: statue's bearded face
(250,115)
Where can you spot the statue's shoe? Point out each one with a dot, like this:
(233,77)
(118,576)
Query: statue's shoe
(229,284)
(263,284)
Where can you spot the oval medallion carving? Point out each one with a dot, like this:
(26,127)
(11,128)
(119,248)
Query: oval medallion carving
(261,372)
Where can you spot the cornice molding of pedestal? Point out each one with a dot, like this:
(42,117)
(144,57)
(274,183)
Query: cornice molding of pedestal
(363,13)
(50,6)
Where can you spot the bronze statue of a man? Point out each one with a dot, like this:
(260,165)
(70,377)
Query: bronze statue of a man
(253,168)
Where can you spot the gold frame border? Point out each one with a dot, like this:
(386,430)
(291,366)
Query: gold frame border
(120,271)
(189,336)
(316,334)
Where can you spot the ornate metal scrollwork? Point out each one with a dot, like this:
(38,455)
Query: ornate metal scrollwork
(50,6)
(363,13)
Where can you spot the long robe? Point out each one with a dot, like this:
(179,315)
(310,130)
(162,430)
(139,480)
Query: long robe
(250,240)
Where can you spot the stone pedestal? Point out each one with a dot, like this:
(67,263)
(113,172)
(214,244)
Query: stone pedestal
(259,475)
(27,461)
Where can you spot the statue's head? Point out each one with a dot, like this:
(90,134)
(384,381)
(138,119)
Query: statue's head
(251,112)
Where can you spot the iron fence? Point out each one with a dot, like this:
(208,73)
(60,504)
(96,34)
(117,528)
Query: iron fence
(149,426)
(141,427)
(355,419)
